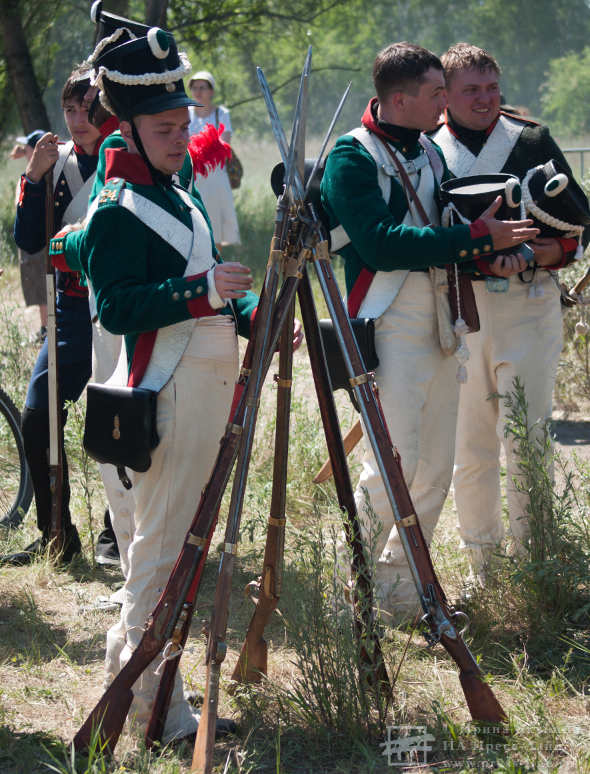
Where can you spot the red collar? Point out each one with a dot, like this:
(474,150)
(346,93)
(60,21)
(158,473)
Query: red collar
(369,122)
(130,166)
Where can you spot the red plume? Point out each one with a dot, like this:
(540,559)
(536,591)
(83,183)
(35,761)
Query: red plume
(208,150)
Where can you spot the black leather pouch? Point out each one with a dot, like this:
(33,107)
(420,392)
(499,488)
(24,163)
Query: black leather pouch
(364,332)
(120,425)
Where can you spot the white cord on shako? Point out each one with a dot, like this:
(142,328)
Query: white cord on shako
(571,229)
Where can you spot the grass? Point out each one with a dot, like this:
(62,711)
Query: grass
(312,714)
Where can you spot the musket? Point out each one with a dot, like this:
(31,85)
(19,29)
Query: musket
(216,645)
(252,663)
(54,404)
(439,618)
(371,653)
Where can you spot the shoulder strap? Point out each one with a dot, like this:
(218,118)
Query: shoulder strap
(433,157)
(409,189)
(64,152)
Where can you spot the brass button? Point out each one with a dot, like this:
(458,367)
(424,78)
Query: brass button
(188,294)
(175,295)
(475,251)
(63,182)
(487,248)
(462,253)
(199,289)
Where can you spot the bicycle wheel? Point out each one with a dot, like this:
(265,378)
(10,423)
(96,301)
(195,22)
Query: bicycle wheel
(16,489)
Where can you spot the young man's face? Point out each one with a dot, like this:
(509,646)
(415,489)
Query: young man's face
(474,97)
(165,138)
(82,131)
(422,110)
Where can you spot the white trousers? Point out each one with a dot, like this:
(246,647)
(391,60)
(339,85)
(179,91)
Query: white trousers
(521,335)
(219,202)
(419,394)
(106,348)
(192,412)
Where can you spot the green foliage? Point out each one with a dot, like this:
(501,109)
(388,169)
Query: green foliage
(566,93)
(553,574)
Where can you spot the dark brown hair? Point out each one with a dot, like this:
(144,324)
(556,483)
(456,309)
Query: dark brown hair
(464,56)
(76,86)
(401,67)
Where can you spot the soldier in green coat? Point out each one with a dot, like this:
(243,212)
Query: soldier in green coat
(388,249)
(149,254)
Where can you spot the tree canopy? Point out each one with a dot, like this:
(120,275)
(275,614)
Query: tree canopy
(535,43)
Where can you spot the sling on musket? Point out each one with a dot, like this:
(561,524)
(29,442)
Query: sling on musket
(54,404)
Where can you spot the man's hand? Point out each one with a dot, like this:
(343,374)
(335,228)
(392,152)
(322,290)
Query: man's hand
(43,158)
(548,251)
(232,279)
(507,265)
(506,233)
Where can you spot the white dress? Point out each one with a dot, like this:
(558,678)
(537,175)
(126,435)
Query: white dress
(215,188)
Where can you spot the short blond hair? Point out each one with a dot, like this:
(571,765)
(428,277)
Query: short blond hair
(464,56)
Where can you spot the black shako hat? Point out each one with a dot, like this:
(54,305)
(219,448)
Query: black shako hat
(471,195)
(107,23)
(555,201)
(142,76)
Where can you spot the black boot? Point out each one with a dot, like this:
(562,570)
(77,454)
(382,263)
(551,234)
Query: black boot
(38,548)
(107,551)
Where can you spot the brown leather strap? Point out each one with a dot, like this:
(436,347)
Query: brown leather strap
(411,194)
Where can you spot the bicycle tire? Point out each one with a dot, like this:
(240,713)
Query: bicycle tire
(16,490)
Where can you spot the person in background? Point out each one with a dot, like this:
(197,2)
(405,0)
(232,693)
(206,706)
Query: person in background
(215,189)
(74,166)
(32,265)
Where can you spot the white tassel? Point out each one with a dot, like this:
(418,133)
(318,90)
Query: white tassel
(462,355)
(461,328)
(579,252)
(462,374)
(582,328)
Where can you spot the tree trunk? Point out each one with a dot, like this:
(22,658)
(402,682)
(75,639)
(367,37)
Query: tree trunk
(21,73)
(155,13)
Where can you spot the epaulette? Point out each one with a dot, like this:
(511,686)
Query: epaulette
(518,117)
(111,191)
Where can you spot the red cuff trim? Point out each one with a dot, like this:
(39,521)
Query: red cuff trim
(359,291)
(196,276)
(129,166)
(141,357)
(478,229)
(200,307)
(21,195)
(253,315)
(483,267)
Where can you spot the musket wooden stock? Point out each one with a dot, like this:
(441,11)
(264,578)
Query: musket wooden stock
(252,663)
(481,701)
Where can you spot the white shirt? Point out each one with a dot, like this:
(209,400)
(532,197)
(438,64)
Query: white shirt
(198,122)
